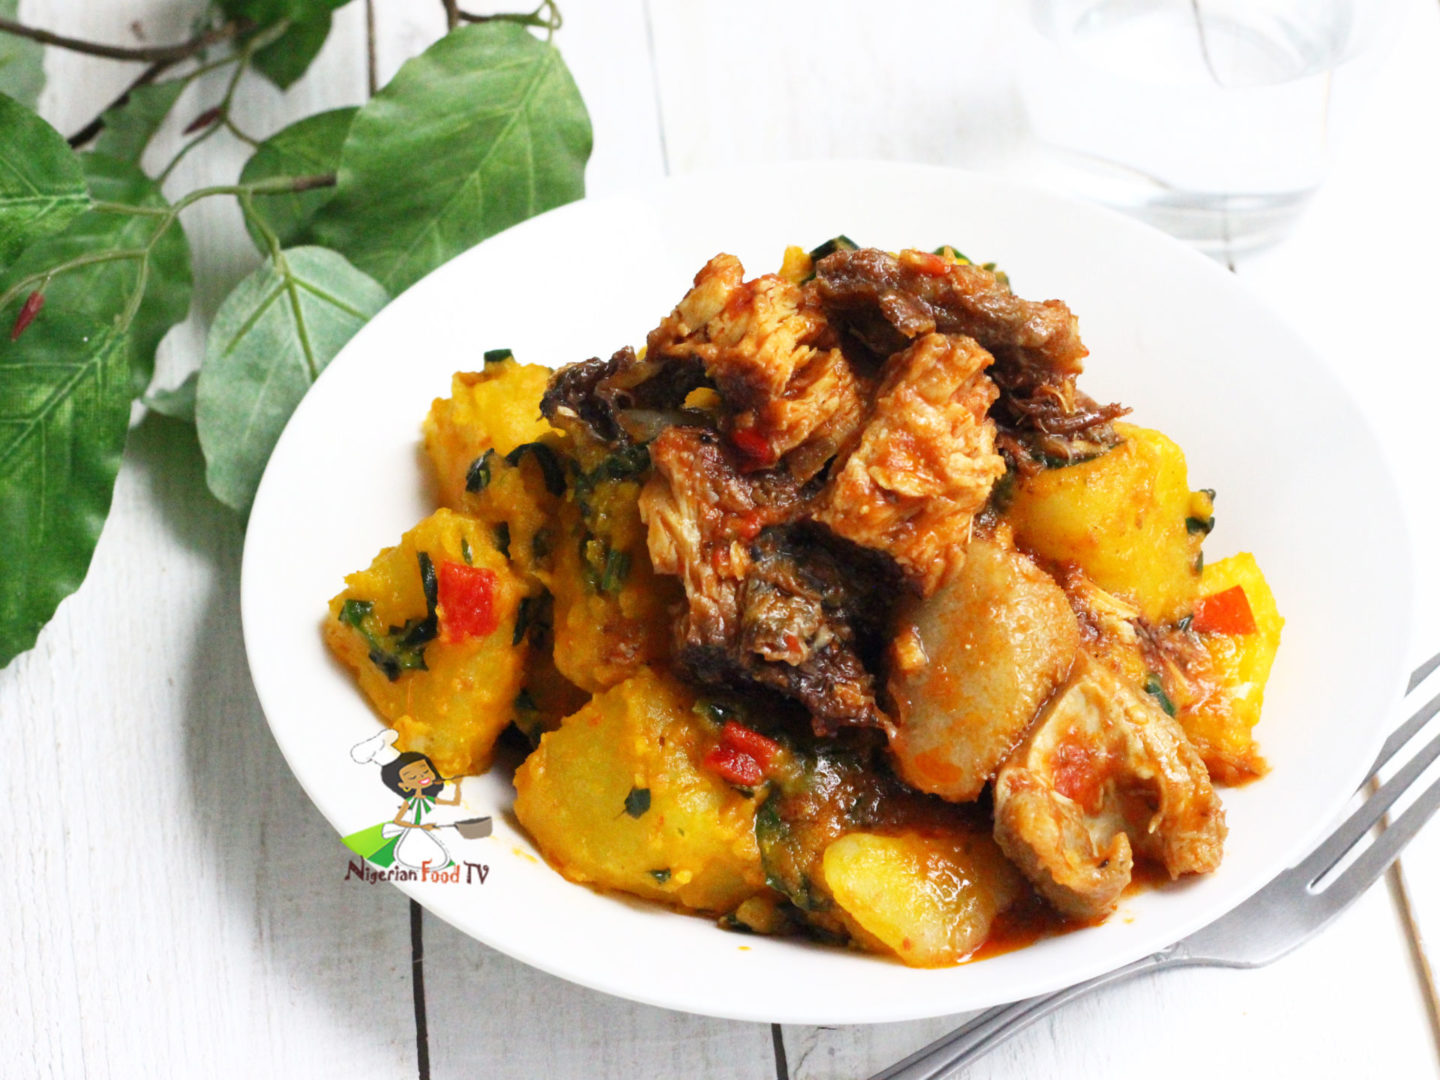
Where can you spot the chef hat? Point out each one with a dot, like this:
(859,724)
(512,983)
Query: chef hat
(378,748)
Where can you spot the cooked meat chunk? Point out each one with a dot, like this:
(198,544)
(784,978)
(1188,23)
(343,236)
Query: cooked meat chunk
(888,301)
(1104,775)
(925,461)
(971,665)
(612,397)
(768,352)
(768,603)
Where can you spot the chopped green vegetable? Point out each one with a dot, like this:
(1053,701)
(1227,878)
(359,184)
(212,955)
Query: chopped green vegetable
(527,717)
(661,876)
(1203,526)
(400,648)
(498,356)
(535,619)
(549,464)
(617,569)
(1157,691)
(637,802)
(834,244)
(502,538)
(477,477)
(465,551)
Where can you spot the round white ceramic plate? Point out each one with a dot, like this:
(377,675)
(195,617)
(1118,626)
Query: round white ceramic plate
(1300,479)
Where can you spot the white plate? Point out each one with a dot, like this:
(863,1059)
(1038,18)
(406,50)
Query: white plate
(1300,481)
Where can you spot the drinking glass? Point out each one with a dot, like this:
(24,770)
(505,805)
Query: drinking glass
(1212,119)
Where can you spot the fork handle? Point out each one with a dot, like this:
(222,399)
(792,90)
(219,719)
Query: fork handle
(950,1053)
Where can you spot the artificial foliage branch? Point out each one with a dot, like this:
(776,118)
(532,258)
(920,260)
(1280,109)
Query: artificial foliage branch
(95,266)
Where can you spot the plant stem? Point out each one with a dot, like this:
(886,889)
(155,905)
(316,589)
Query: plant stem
(234,130)
(275,185)
(452,14)
(145,78)
(222,118)
(546,15)
(151,54)
(372,69)
(149,75)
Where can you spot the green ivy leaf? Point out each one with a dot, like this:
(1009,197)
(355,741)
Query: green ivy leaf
(482,130)
(64,412)
(22,71)
(178,402)
(103,291)
(285,60)
(271,338)
(303,149)
(41,186)
(130,127)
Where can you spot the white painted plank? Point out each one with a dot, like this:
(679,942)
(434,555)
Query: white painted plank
(1340,1006)
(493,1016)
(754,81)
(175,905)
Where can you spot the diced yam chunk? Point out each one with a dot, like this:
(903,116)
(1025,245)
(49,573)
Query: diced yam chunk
(1122,518)
(928,897)
(617,797)
(1220,704)
(972,665)
(496,409)
(449,695)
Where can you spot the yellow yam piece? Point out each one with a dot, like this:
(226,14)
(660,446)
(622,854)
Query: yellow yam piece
(1225,708)
(796,266)
(1122,518)
(617,797)
(451,695)
(612,611)
(495,409)
(930,898)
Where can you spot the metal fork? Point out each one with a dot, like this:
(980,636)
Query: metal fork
(1281,916)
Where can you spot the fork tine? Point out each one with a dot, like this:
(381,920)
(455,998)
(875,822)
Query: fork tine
(1362,873)
(1324,858)
(1418,675)
(1403,734)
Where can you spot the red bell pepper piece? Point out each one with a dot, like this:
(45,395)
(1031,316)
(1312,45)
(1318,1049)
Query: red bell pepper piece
(466,601)
(734,766)
(755,451)
(1226,612)
(741,738)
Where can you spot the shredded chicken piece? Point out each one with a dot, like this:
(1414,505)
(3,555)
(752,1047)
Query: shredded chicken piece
(764,345)
(925,461)
(1104,775)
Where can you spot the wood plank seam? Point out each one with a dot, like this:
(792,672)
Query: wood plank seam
(1400,893)
(777,1039)
(417,980)
(655,83)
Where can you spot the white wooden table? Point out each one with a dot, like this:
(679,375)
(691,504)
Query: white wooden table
(174,906)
